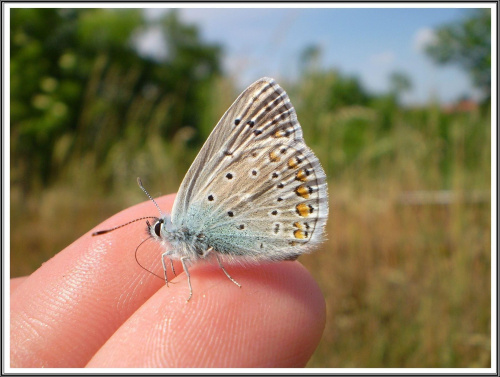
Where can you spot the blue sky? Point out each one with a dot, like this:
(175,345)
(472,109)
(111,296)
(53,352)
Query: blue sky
(368,43)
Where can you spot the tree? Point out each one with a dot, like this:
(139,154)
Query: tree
(310,59)
(79,84)
(466,43)
(399,83)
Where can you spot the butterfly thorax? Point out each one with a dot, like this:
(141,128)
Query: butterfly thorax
(182,241)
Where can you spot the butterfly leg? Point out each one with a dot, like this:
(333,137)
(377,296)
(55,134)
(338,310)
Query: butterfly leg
(172,266)
(163,256)
(227,274)
(184,266)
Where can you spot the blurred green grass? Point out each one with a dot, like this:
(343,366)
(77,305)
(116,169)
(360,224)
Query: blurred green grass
(406,284)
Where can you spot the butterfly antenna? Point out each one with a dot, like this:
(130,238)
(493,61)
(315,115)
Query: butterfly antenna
(99,232)
(149,196)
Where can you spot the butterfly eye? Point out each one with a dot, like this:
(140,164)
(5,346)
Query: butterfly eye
(158,228)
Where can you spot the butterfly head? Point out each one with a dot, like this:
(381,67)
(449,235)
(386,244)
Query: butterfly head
(161,227)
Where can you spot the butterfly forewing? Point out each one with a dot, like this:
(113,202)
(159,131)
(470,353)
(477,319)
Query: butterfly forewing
(230,129)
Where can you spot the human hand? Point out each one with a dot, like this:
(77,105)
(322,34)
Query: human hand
(92,306)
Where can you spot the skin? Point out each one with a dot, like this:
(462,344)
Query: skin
(92,305)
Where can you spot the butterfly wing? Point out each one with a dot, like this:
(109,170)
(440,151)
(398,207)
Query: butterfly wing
(255,189)
(224,137)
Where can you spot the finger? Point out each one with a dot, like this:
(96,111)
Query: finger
(16,282)
(275,320)
(67,309)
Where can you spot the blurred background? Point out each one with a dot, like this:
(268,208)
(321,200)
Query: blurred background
(394,102)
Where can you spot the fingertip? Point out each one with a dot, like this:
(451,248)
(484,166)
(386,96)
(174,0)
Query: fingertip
(95,282)
(275,319)
(16,282)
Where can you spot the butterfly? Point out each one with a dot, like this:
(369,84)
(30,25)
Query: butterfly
(254,193)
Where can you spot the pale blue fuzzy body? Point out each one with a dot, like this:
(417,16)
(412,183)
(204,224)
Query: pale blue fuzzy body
(192,240)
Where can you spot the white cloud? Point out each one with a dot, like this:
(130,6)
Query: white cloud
(423,37)
(151,43)
(153,14)
(383,58)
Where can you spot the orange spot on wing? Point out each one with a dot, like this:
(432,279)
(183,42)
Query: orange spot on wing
(301,175)
(303,209)
(300,234)
(273,157)
(279,133)
(292,163)
(302,191)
